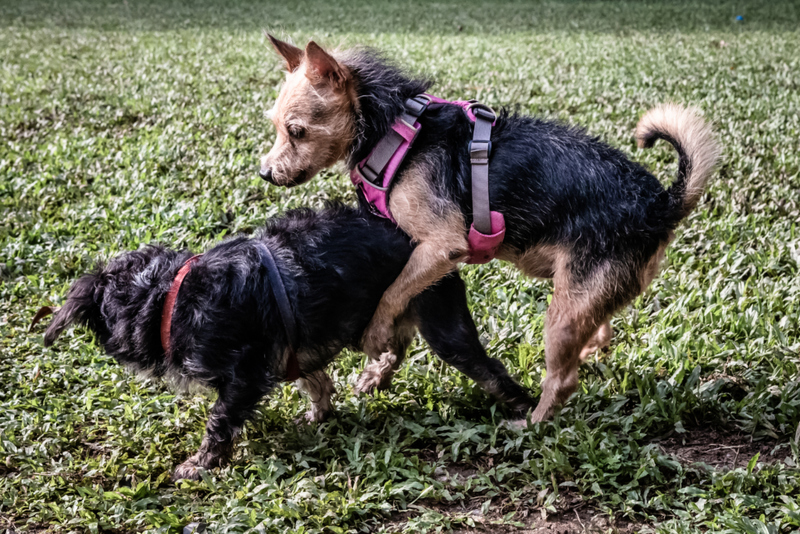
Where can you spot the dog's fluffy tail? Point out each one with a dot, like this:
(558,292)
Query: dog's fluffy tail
(698,151)
(80,306)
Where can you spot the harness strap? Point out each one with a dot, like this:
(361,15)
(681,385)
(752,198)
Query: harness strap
(284,308)
(479,150)
(373,175)
(404,130)
(169,303)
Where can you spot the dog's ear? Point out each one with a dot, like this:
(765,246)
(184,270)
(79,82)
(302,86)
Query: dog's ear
(80,307)
(322,68)
(290,53)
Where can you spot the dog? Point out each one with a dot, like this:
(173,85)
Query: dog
(227,331)
(577,210)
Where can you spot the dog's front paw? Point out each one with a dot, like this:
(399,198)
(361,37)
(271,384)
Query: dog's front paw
(203,459)
(377,374)
(521,423)
(315,415)
(188,470)
(368,381)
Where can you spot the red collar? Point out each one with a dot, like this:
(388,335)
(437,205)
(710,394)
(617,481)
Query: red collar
(169,302)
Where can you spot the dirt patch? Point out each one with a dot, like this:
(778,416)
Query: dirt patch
(574,516)
(459,472)
(720,449)
(577,522)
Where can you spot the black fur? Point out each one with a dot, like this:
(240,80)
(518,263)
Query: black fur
(227,332)
(382,89)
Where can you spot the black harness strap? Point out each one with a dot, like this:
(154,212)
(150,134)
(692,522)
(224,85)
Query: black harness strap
(284,308)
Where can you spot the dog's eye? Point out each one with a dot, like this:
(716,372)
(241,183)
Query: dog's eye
(297,132)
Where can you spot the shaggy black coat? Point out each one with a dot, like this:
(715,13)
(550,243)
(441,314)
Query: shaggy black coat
(227,332)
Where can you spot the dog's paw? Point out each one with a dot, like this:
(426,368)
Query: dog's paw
(377,375)
(188,470)
(201,460)
(516,424)
(315,416)
(367,382)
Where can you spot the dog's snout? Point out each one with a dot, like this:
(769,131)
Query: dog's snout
(266,174)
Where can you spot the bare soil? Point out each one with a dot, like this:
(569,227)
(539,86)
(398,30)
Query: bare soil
(720,449)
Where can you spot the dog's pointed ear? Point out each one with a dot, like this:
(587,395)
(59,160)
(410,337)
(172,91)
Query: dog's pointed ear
(322,68)
(290,53)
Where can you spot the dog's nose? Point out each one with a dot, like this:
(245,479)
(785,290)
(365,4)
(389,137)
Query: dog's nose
(266,174)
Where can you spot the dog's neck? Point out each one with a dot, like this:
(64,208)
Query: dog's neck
(381,89)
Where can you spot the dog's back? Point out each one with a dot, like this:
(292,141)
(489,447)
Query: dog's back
(335,265)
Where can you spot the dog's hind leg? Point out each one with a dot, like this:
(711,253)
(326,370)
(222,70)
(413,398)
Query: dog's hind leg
(576,319)
(600,340)
(319,387)
(235,404)
(447,326)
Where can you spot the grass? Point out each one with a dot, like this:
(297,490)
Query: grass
(130,122)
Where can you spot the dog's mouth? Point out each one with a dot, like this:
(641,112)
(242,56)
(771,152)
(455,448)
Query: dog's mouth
(301,178)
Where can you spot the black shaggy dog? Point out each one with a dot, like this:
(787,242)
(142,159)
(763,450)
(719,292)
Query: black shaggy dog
(576,209)
(227,330)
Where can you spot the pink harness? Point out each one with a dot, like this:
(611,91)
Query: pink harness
(374,174)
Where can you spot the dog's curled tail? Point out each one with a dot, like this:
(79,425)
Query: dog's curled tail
(698,151)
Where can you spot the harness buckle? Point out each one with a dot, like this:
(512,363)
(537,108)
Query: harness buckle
(479,152)
(415,106)
(367,173)
(369,177)
(483,111)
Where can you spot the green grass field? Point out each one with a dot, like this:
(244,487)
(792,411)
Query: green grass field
(127,122)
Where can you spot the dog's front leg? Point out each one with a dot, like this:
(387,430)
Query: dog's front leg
(437,225)
(427,265)
(233,407)
(319,387)
(381,368)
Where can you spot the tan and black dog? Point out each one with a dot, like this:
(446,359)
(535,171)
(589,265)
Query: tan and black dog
(576,210)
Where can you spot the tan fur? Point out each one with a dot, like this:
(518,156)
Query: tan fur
(537,262)
(290,53)
(650,270)
(600,340)
(321,104)
(575,316)
(695,136)
(378,373)
(439,229)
